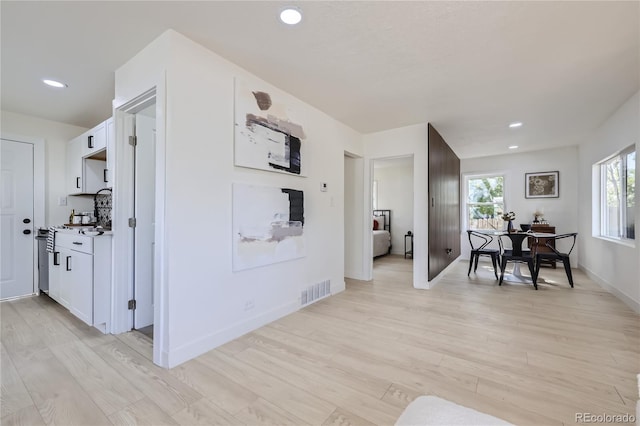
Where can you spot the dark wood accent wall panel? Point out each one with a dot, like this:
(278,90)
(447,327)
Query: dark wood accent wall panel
(444,204)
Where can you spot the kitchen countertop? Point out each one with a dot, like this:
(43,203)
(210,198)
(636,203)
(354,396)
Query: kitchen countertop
(80,229)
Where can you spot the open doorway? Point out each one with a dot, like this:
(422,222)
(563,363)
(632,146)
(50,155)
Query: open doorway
(144,213)
(138,220)
(135,217)
(354,201)
(392,220)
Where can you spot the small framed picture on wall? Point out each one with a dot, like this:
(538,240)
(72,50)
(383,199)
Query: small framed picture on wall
(542,185)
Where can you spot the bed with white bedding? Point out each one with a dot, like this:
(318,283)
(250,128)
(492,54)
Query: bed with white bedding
(381,232)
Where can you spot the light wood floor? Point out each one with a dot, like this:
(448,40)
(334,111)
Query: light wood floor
(529,357)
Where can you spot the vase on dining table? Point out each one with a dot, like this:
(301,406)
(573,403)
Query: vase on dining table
(510,227)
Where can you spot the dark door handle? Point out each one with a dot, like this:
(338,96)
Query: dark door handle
(56,258)
(77,243)
(104,176)
(26,231)
(78,182)
(90,141)
(68,263)
(26,220)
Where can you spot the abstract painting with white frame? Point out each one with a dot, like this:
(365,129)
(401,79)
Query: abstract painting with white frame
(266,137)
(268,225)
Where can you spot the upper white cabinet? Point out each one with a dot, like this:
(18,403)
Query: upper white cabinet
(95,140)
(95,174)
(87,162)
(74,166)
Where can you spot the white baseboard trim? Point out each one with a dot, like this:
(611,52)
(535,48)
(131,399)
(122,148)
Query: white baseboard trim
(164,359)
(338,288)
(212,341)
(444,272)
(629,301)
(355,275)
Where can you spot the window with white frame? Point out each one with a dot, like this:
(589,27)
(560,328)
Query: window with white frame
(617,195)
(484,201)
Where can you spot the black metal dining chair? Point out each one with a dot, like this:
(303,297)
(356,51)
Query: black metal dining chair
(479,243)
(516,254)
(557,256)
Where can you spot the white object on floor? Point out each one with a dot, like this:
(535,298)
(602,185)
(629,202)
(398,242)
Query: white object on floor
(431,410)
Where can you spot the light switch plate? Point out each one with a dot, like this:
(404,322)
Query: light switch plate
(62,201)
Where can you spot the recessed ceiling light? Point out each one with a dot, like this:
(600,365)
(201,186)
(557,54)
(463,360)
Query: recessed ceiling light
(291,16)
(513,147)
(516,124)
(54,83)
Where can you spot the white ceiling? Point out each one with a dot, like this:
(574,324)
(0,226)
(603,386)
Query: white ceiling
(467,67)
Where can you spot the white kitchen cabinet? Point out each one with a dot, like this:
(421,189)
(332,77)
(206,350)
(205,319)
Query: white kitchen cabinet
(84,175)
(102,283)
(54,275)
(94,140)
(87,161)
(95,175)
(81,272)
(66,277)
(77,282)
(72,267)
(74,166)
(60,287)
(80,276)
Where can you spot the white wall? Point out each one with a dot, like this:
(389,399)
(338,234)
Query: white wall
(395,192)
(56,136)
(614,266)
(411,140)
(561,212)
(205,300)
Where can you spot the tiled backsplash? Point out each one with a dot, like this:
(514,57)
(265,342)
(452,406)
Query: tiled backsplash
(103,205)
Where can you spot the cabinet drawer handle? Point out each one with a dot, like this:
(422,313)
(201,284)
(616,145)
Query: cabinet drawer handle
(78,243)
(90,141)
(104,176)
(56,258)
(78,182)
(68,263)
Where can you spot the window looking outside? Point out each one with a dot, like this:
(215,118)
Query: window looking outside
(485,202)
(617,189)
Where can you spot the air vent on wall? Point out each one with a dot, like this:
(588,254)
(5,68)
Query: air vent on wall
(315,292)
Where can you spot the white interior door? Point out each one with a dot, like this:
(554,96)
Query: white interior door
(16,217)
(145,187)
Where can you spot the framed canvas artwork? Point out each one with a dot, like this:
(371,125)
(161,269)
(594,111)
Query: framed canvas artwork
(268,225)
(542,185)
(267,136)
